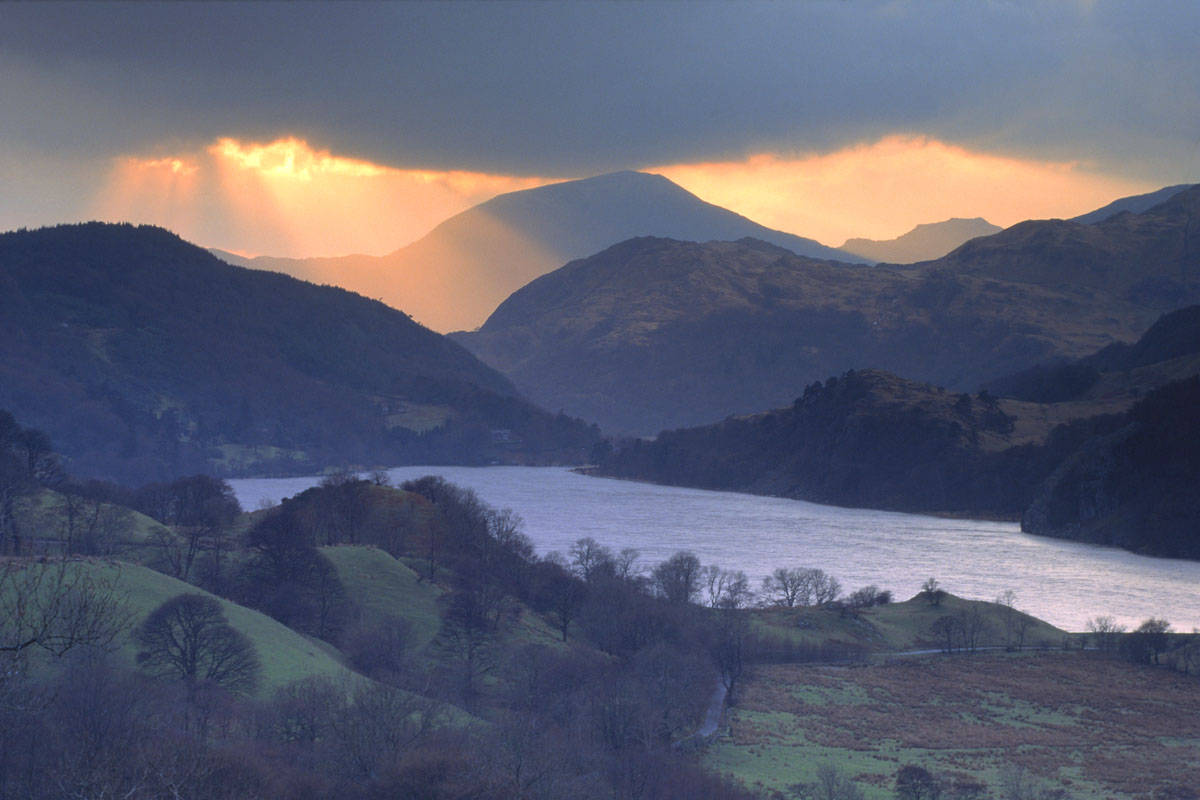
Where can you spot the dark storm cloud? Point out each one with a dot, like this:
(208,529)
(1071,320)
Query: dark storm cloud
(571,88)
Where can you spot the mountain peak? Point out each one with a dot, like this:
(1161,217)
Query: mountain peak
(457,275)
(925,242)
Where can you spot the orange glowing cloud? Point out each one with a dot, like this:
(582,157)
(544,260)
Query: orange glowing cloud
(286,198)
(883,189)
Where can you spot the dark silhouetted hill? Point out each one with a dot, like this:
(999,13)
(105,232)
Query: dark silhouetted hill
(1134,487)
(1119,470)
(145,357)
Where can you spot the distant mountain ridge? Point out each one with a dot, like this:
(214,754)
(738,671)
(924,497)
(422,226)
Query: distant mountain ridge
(654,334)
(454,277)
(1151,258)
(923,243)
(1135,204)
(144,357)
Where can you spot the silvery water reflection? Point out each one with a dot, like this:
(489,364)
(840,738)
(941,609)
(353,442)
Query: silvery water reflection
(1062,582)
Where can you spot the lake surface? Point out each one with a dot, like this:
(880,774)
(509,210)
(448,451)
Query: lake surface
(1062,582)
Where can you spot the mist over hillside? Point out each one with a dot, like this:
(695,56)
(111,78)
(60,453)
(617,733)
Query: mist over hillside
(454,277)
(655,334)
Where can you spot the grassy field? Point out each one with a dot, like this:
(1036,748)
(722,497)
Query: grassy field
(385,588)
(897,627)
(43,516)
(420,418)
(1095,727)
(286,655)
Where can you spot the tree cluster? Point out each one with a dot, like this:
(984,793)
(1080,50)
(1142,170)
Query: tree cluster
(27,463)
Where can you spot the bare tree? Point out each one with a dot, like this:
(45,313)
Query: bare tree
(972,625)
(800,586)
(1018,783)
(588,557)
(733,635)
(787,587)
(625,563)
(15,482)
(188,638)
(826,588)
(932,592)
(89,526)
(948,629)
(1147,641)
(199,512)
(678,578)
(58,606)
(561,593)
(1105,631)
(830,784)
(467,640)
(917,783)
(373,722)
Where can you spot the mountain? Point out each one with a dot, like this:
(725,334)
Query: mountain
(144,357)
(654,333)
(1134,204)
(455,276)
(1169,351)
(922,243)
(1151,258)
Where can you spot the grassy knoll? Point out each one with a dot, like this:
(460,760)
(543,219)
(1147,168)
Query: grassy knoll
(385,588)
(286,655)
(897,627)
(44,516)
(1096,727)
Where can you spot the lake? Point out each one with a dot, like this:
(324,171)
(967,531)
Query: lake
(1062,582)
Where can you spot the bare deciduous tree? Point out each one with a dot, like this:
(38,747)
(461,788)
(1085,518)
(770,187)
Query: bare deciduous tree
(830,784)
(678,578)
(914,782)
(588,557)
(1105,632)
(933,592)
(58,606)
(188,638)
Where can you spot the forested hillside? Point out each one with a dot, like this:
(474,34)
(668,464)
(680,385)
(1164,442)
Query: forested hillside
(144,357)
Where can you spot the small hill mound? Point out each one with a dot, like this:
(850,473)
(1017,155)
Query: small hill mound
(386,590)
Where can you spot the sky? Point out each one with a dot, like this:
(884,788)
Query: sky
(304,129)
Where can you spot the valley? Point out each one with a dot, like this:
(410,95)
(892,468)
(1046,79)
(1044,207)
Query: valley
(599,401)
